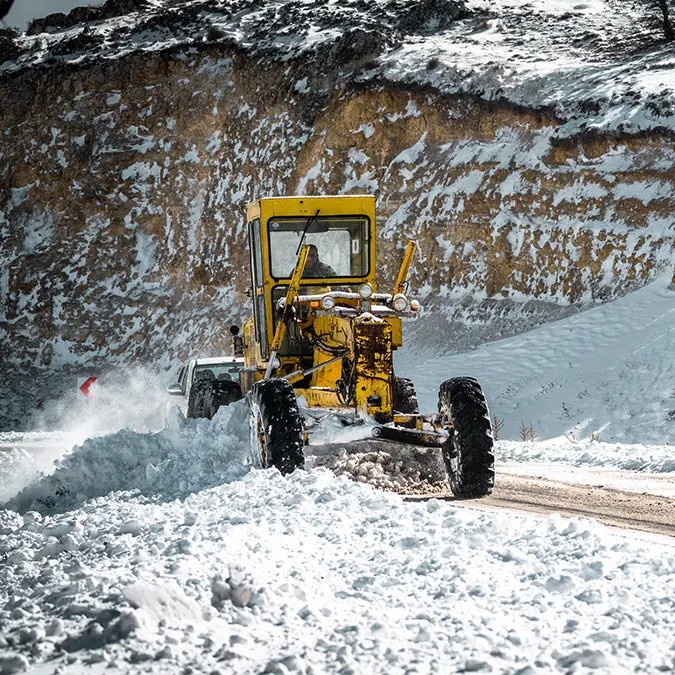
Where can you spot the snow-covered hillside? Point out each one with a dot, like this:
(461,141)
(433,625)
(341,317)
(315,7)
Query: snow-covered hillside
(525,146)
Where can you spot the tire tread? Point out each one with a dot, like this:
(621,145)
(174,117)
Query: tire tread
(282,424)
(462,402)
(405,397)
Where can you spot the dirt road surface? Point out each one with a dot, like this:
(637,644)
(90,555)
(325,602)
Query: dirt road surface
(635,501)
(617,508)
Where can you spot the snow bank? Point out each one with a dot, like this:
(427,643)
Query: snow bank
(314,573)
(185,457)
(644,458)
(606,373)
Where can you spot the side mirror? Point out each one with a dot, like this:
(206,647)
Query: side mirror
(175,389)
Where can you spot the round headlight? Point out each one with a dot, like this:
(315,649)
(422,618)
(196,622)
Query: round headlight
(415,305)
(328,302)
(365,290)
(400,302)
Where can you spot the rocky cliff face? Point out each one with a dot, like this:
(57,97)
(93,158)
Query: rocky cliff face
(124,176)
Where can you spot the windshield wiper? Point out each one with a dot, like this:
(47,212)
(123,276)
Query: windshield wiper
(304,232)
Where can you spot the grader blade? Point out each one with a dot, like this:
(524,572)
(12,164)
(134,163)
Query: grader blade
(426,439)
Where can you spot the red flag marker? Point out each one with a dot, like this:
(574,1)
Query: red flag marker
(85,387)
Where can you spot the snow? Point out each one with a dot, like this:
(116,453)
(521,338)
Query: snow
(161,549)
(606,372)
(316,572)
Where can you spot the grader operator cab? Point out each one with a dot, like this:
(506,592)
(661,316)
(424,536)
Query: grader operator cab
(322,330)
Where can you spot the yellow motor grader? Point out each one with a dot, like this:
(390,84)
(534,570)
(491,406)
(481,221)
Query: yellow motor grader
(322,331)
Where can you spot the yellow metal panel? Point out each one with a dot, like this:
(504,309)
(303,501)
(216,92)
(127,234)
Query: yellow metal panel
(328,205)
(336,332)
(396,331)
(338,328)
(373,360)
(320,398)
(328,375)
(251,348)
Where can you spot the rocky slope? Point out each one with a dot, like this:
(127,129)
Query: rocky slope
(131,144)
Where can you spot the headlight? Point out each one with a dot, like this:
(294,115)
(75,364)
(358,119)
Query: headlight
(328,302)
(365,290)
(400,302)
(415,305)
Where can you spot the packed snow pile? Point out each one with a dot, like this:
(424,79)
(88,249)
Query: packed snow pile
(315,573)
(185,457)
(403,469)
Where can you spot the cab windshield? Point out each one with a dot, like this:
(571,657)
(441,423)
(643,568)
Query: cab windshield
(339,245)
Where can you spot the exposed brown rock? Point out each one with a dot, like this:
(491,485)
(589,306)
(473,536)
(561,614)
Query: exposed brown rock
(127,182)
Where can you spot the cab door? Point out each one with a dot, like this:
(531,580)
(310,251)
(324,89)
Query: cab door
(257,284)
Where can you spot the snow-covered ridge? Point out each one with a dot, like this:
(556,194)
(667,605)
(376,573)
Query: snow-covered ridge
(598,65)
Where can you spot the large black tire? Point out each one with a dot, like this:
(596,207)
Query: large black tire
(276,426)
(469,451)
(405,397)
(220,393)
(195,407)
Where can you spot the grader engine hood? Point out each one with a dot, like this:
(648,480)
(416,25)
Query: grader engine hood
(373,366)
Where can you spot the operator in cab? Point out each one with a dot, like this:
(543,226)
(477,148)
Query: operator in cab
(314,268)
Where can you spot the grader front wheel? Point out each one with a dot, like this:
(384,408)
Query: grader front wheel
(468,453)
(276,426)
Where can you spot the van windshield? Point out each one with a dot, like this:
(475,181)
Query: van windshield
(339,246)
(218,371)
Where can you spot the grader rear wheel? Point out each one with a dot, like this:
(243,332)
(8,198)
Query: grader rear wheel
(469,451)
(276,426)
(405,396)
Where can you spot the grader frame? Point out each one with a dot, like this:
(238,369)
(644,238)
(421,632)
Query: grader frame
(330,339)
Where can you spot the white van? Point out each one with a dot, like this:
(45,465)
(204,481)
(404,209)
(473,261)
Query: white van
(206,384)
